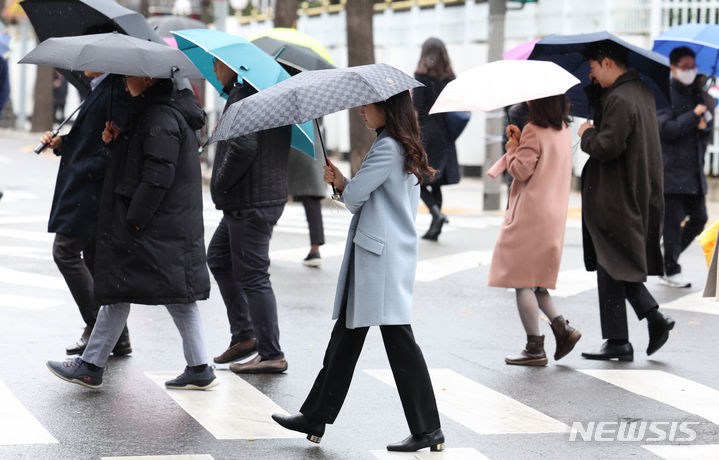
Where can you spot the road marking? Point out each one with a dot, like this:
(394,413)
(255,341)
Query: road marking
(297,254)
(163,457)
(694,302)
(666,388)
(10,276)
(7,220)
(447,454)
(439,267)
(479,408)
(233,410)
(29,252)
(28,303)
(17,425)
(27,235)
(572,282)
(685,452)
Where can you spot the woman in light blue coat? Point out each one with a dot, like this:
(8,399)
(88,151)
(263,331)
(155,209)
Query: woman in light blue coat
(377,278)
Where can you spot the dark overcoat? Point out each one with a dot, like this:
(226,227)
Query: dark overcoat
(436,138)
(83,158)
(622,184)
(683,145)
(150,241)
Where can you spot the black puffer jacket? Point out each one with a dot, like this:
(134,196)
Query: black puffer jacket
(153,183)
(250,171)
(683,145)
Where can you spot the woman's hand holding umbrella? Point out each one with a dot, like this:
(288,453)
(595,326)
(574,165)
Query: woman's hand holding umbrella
(334,176)
(110,133)
(54,142)
(513,134)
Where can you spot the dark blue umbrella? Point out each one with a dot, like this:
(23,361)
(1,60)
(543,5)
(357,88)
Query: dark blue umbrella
(703,39)
(568,50)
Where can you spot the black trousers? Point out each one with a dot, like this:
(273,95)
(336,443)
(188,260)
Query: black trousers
(74,257)
(313,212)
(408,367)
(613,295)
(239,259)
(431,195)
(677,237)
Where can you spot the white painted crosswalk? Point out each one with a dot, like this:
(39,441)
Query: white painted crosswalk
(447,454)
(17,425)
(685,452)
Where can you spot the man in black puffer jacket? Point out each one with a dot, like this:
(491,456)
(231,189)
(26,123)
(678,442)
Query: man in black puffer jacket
(685,129)
(249,184)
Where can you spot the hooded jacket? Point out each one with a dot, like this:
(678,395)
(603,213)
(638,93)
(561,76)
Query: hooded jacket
(151,246)
(250,171)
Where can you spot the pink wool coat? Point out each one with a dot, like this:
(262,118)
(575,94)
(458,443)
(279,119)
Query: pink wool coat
(529,248)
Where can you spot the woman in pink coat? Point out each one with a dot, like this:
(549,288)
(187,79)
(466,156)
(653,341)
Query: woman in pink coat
(529,248)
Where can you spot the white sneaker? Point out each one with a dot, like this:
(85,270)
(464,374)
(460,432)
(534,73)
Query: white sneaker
(676,280)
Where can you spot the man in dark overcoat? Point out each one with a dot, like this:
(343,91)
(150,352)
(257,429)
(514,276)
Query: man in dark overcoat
(73,215)
(622,201)
(249,185)
(686,130)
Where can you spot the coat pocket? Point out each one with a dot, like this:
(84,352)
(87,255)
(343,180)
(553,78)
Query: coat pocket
(368,242)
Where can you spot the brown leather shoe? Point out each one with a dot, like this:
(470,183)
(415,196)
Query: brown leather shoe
(237,351)
(257,366)
(565,335)
(532,355)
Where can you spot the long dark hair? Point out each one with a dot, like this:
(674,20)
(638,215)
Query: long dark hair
(434,60)
(401,124)
(552,111)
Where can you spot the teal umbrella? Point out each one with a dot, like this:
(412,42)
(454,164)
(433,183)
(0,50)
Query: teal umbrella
(252,65)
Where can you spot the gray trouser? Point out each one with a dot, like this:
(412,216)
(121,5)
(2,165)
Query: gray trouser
(112,318)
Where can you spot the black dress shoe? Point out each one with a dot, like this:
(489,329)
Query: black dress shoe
(659,332)
(434,440)
(79,347)
(609,351)
(122,348)
(313,430)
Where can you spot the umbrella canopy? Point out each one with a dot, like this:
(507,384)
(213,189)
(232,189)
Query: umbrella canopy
(112,53)
(64,18)
(703,39)
(163,25)
(312,94)
(567,51)
(520,52)
(501,83)
(252,65)
(294,50)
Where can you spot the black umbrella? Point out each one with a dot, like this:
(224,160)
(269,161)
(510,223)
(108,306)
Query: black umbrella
(164,24)
(63,18)
(567,51)
(293,56)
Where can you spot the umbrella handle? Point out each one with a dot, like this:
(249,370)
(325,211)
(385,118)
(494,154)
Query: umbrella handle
(335,195)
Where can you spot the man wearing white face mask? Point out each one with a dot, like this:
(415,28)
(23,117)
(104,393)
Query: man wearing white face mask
(686,130)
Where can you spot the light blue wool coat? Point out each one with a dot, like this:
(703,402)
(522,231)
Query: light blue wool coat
(383,198)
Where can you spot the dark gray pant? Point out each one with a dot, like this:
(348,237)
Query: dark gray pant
(678,238)
(239,259)
(613,295)
(313,212)
(74,256)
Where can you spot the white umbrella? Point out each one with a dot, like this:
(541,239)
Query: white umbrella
(501,83)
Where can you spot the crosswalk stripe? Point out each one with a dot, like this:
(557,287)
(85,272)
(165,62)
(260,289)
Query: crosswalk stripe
(480,408)
(233,410)
(27,235)
(465,453)
(666,388)
(572,282)
(685,452)
(163,457)
(694,302)
(439,267)
(10,276)
(29,252)
(7,220)
(17,425)
(27,302)
(297,254)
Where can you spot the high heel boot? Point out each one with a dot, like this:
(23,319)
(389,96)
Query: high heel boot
(565,335)
(438,220)
(532,355)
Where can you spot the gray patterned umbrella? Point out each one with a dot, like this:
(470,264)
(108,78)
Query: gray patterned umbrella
(309,95)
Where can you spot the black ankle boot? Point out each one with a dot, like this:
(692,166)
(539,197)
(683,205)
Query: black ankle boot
(313,430)
(438,220)
(434,440)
